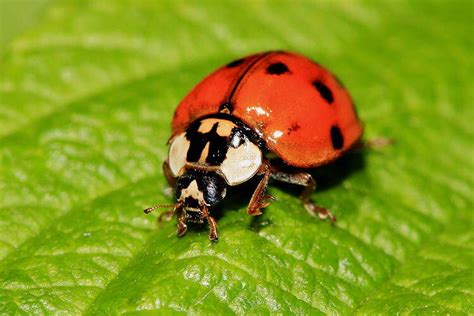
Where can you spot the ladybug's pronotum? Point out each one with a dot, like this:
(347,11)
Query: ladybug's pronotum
(276,104)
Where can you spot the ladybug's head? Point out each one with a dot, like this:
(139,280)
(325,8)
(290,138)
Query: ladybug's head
(197,191)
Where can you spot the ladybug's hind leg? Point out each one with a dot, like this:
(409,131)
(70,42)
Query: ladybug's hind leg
(375,143)
(306,180)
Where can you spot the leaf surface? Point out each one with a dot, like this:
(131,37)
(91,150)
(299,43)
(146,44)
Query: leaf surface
(86,100)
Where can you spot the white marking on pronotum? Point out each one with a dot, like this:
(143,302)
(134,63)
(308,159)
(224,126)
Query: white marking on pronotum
(204,153)
(192,191)
(224,127)
(241,163)
(177,155)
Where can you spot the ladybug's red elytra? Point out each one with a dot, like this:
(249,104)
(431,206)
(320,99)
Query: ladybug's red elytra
(225,129)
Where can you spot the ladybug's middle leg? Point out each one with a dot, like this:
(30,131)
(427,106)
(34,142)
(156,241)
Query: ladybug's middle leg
(167,215)
(306,180)
(168,174)
(375,143)
(259,198)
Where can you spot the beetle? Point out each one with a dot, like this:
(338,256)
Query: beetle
(225,131)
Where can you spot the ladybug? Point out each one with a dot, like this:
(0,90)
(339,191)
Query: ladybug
(225,131)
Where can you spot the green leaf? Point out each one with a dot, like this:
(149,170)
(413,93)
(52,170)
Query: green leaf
(87,96)
(16,16)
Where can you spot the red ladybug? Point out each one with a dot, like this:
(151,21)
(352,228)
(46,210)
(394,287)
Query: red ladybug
(225,128)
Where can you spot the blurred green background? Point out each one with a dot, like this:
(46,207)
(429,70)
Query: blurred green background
(87,93)
(17,16)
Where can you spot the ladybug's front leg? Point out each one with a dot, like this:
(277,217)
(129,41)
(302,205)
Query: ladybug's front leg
(212,224)
(212,228)
(259,198)
(306,180)
(181,227)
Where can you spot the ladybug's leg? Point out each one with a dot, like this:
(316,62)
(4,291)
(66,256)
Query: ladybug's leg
(212,224)
(181,226)
(168,174)
(212,228)
(375,143)
(259,199)
(167,215)
(306,180)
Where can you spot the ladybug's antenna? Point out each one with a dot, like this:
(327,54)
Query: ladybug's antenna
(154,207)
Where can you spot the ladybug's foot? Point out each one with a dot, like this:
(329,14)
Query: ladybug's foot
(379,142)
(319,211)
(263,202)
(375,143)
(254,212)
(212,228)
(181,227)
(169,192)
(165,216)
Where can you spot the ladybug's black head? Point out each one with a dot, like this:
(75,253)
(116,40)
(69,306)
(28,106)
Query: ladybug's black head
(197,191)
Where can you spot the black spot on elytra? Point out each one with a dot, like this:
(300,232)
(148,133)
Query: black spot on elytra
(324,91)
(277,69)
(293,128)
(235,63)
(226,106)
(336,138)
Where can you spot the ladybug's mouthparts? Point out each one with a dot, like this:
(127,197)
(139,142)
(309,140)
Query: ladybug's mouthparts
(193,210)
(193,215)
